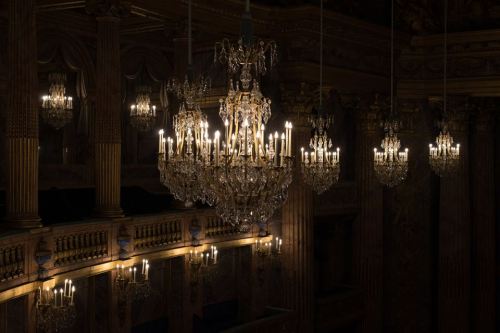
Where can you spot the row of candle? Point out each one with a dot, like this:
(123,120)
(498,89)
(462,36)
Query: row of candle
(323,156)
(246,145)
(142,110)
(60,297)
(390,155)
(132,271)
(204,258)
(268,247)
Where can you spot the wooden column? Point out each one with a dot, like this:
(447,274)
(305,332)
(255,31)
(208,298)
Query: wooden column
(483,221)
(107,119)
(368,226)
(22,117)
(454,263)
(297,216)
(297,234)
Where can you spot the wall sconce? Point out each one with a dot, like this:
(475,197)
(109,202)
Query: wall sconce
(55,308)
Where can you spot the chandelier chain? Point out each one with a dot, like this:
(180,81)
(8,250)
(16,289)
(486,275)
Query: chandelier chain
(445,70)
(321,57)
(392,57)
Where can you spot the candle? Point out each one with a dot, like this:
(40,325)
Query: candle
(61,293)
(276,148)
(302,154)
(147,272)
(69,287)
(65,286)
(217,147)
(283,152)
(72,294)
(160,138)
(55,297)
(135,269)
(215,256)
(143,263)
(279,247)
(289,139)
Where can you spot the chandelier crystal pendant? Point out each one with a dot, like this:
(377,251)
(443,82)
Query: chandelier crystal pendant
(444,157)
(142,113)
(179,165)
(390,164)
(57,108)
(247,176)
(321,166)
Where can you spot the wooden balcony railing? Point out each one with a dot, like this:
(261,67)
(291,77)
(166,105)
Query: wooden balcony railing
(91,246)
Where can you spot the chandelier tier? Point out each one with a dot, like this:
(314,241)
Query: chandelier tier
(180,163)
(320,167)
(57,107)
(391,164)
(444,157)
(248,177)
(142,113)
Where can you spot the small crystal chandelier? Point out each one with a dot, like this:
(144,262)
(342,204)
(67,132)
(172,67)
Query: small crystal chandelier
(142,113)
(444,157)
(57,107)
(320,167)
(179,164)
(391,165)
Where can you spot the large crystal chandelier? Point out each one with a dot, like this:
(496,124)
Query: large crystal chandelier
(390,164)
(179,164)
(57,107)
(248,177)
(444,157)
(142,113)
(320,167)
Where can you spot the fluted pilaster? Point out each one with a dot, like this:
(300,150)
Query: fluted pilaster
(107,119)
(297,233)
(22,117)
(368,226)
(454,263)
(297,217)
(483,220)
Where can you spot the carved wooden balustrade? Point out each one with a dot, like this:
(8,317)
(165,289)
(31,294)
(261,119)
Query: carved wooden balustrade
(11,262)
(82,249)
